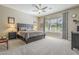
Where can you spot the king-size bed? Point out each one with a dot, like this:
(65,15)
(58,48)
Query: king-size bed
(26,33)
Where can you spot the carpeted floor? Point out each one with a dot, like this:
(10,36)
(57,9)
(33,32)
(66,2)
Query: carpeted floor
(14,43)
(47,46)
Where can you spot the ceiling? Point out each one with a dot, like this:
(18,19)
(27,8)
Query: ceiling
(28,8)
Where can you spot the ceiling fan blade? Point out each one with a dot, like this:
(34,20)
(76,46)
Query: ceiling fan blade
(39,5)
(44,8)
(36,6)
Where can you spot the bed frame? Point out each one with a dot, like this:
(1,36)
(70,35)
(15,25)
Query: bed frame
(31,39)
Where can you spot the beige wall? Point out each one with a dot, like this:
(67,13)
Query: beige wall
(71,25)
(20,17)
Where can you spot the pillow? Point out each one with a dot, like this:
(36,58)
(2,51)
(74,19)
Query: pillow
(29,29)
(23,29)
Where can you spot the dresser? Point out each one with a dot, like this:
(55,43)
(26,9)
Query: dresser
(75,40)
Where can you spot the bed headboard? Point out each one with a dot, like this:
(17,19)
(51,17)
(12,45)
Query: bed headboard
(22,25)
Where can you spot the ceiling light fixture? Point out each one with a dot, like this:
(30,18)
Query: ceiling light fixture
(39,8)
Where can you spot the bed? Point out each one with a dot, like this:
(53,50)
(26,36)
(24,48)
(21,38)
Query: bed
(27,34)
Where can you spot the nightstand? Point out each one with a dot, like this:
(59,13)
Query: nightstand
(12,35)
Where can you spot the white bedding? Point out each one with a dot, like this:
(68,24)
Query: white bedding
(47,46)
(28,34)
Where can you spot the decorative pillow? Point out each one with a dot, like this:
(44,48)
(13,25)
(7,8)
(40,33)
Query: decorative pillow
(23,29)
(29,29)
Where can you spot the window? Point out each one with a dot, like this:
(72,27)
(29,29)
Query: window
(54,25)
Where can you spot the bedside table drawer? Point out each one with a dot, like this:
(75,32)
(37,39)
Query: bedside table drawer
(12,34)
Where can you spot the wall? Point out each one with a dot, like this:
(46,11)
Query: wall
(71,25)
(20,17)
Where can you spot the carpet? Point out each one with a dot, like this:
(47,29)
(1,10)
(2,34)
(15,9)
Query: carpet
(47,46)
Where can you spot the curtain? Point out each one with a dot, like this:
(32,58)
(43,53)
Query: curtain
(42,24)
(65,25)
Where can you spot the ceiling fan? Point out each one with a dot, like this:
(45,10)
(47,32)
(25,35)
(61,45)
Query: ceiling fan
(39,8)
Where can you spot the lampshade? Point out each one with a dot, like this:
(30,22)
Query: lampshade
(12,27)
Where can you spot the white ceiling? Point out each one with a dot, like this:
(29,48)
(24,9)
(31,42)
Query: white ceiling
(28,8)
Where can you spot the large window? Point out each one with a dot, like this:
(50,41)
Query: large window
(54,25)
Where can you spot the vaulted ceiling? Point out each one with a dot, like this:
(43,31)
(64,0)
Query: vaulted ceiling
(51,8)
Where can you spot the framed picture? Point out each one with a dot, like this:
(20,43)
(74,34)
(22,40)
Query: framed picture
(11,20)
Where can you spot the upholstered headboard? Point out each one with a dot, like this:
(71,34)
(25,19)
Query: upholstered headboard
(24,26)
